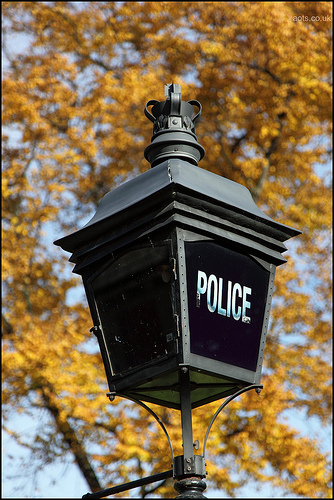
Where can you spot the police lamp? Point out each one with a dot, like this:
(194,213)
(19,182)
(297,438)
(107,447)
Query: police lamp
(178,266)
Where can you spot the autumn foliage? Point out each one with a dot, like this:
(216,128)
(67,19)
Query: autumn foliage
(74,128)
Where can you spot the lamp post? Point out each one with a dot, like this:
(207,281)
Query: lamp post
(178,266)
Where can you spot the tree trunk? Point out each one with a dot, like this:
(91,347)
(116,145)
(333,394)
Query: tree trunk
(71,439)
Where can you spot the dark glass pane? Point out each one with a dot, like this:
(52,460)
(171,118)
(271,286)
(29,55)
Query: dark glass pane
(227,294)
(133,299)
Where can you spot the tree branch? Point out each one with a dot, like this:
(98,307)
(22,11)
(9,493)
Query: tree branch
(71,439)
(256,191)
(6,327)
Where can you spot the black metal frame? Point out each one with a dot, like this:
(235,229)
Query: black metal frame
(228,379)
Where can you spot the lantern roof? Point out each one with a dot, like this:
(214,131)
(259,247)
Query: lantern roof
(163,189)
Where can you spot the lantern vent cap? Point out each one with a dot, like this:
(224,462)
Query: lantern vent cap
(173,128)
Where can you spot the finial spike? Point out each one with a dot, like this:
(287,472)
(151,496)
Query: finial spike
(174,88)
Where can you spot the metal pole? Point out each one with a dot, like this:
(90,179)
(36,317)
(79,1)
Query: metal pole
(189,469)
(186,418)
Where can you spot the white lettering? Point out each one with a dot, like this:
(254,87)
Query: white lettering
(202,282)
(234,299)
(212,304)
(236,314)
(228,306)
(245,303)
(220,296)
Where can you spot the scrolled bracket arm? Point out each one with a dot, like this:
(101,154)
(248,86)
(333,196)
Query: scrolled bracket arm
(257,387)
(111,396)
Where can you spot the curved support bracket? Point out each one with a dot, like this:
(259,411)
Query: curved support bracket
(257,387)
(143,405)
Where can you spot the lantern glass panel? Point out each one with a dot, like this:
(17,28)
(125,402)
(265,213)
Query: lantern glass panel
(133,300)
(227,294)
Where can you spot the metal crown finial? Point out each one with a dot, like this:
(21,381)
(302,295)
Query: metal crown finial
(173,128)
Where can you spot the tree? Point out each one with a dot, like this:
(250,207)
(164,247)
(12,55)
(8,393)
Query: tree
(74,128)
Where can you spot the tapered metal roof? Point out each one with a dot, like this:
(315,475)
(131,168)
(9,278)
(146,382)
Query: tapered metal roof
(155,189)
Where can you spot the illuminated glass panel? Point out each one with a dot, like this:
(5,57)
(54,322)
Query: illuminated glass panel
(227,293)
